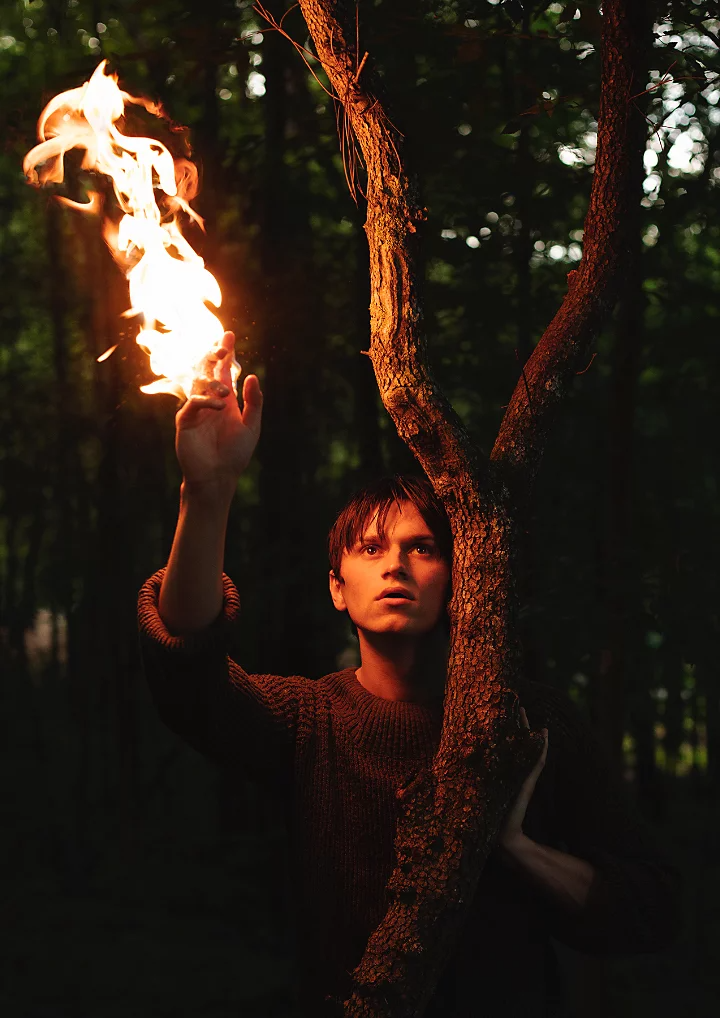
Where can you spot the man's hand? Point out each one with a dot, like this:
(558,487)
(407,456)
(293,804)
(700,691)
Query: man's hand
(563,877)
(214,439)
(511,832)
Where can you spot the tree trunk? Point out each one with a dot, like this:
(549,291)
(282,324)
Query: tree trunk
(452,812)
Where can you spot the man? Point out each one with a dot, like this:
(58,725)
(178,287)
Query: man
(570,861)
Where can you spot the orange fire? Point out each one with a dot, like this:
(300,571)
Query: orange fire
(169,284)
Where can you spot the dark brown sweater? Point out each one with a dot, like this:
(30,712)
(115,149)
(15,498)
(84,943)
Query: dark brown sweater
(335,755)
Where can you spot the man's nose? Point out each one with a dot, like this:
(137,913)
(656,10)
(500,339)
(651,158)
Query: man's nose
(395,562)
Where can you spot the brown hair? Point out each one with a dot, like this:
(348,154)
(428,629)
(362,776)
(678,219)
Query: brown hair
(378,497)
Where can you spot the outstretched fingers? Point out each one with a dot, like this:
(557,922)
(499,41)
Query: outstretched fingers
(187,415)
(225,355)
(220,360)
(543,732)
(215,392)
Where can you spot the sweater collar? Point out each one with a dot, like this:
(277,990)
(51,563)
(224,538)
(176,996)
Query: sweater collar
(395,728)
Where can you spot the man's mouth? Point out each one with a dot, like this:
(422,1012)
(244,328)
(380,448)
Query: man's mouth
(397,594)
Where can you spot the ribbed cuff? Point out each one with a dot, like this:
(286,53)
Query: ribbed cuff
(212,637)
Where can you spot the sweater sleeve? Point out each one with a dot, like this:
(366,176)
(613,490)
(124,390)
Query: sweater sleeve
(634,900)
(201,694)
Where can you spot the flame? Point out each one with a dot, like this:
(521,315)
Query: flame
(169,284)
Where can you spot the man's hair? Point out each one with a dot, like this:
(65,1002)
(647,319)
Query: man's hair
(378,497)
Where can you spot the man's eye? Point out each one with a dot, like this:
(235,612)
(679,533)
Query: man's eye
(370,548)
(424,548)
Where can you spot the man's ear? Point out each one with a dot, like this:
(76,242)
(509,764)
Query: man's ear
(336,592)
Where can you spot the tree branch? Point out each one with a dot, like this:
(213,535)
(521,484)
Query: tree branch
(595,285)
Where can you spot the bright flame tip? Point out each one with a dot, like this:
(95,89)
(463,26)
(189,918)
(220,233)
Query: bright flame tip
(170,288)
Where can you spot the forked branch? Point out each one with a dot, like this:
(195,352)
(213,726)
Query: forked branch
(450,814)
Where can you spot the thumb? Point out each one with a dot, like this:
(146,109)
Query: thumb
(252,402)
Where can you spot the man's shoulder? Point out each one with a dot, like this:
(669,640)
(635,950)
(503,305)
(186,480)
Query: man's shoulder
(342,679)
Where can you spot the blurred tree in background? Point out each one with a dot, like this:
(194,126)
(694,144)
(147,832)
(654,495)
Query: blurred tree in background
(136,880)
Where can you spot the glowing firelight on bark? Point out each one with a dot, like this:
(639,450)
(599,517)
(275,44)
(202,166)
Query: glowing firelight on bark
(169,284)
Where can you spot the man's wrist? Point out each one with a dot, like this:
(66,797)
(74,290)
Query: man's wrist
(215,494)
(517,848)
(566,877)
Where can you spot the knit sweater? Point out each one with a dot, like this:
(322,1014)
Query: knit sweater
(335,755)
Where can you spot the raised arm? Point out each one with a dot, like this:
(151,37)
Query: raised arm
(215,441)
(187,611)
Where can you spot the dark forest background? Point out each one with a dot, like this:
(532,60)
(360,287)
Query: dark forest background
(136,881)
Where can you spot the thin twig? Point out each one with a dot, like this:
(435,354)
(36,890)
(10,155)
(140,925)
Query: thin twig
(300,48)
(589,365)
(359,70)
(527,387)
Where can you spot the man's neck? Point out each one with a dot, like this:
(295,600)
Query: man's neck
(403,668)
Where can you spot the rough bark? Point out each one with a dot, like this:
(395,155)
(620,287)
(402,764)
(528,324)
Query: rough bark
(451,813)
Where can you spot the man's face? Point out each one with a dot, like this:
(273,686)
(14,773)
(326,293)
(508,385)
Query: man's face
(397,585)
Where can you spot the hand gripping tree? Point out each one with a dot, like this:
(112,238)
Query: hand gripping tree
(451,813)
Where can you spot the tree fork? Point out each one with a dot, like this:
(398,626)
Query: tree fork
(451,813)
